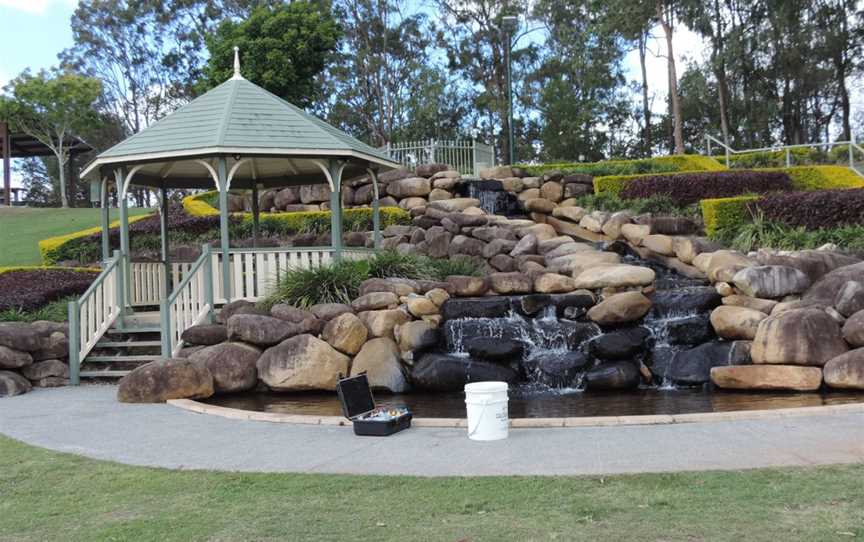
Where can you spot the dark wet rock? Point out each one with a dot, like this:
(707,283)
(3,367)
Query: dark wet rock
(617,375)
(494,349)
(556,369)
(530,305)
(619,345)
(205,334)
(685,300)
(692,330)
(577,302)
(693,367)
(476,307)
(442,372)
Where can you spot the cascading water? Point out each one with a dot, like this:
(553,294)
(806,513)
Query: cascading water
(493,198)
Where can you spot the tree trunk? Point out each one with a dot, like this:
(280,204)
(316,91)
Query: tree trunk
(723,95)
(677,131)
(61,171)
(646,109)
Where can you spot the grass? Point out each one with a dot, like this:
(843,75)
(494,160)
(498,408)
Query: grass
(22,228)
(46,495)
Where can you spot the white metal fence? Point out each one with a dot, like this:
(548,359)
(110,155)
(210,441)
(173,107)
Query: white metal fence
(466,156)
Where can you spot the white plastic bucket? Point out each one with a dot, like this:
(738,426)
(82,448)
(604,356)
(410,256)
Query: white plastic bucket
(486,403)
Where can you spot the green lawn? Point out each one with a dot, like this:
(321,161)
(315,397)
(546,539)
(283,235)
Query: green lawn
(51,496)
(22,228)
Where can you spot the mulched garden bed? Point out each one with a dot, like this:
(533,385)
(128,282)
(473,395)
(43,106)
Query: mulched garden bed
(30,289)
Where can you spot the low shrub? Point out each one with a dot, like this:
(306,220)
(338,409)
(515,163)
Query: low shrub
(723,214)
(49,248)
(656,205)
(823,177)
(764,233)
(689,188)
(28,289)
(55,311)
(814,210)
(659,164)
(775,159)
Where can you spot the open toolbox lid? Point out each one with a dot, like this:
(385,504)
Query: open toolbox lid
(355,396)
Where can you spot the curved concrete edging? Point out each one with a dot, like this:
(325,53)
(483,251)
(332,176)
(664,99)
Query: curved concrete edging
(588,421)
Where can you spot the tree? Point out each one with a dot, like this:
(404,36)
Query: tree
(282,49)
(52,107)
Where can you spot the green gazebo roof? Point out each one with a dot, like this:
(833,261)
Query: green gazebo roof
(237,118)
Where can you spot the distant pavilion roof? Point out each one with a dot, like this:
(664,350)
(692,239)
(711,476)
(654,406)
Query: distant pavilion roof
(237,120)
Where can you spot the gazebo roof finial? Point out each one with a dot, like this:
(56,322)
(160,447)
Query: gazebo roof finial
(237,63)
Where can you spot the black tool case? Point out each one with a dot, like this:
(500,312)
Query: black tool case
(357,403)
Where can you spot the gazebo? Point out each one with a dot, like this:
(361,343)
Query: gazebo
(236,136)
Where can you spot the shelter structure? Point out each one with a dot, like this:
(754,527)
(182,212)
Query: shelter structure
(237,136)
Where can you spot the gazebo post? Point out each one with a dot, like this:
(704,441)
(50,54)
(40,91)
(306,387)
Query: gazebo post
(376,210)
(104,218)
(336,208)
(255,213)
(222,181)
(163,230)
(123,205)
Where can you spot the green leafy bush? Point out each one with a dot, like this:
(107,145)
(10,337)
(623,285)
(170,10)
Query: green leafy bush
(723,214)
(656,205)
(761,232)
(689,188)
(55,311)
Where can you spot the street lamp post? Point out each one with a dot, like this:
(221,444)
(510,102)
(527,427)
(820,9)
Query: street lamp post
(509,24)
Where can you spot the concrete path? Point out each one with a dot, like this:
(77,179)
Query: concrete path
(88,421)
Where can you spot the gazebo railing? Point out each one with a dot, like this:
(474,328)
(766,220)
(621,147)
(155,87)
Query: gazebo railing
(94,312)
(191,303)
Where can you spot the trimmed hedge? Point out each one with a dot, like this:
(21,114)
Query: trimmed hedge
(777,159)
(51,248)
(198,204)
(28,289)
(688,188)
(823,177)
(723,213)
(814,210)
(661,164)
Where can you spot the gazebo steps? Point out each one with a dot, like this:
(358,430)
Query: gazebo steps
(128,344)
(104,374)
(123,359)
(125,349)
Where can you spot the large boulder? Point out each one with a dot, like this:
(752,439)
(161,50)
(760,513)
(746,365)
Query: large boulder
(553,283)
(231,364)
(526,245)
(442,372)
(290,313)
(54,346)
(345,333)
(813,263)
(314,193)
(687,248)
(659,244)
(731,322)
(850,298)
(616,375)
(722,265)
(375,301)
(824,290)
(468,286)
(556,369)
(771,281)
(494,349)
(20,336)
(573,214)
(620,309)
(853,329)
(798,337)
(379,359)
(454,205)
(205,334)
(165,379)
(693,366)
(683,300)
(767,377)
(329,311)
(612,227)
(615,276)
(414,336)
(478,307)
(846,371)
(690,330)
(302,363)
(619,345)
(381,323)
(46,369)
(511,283)
(13,384)
(761,305)
(14,359)
(241,306)
(261,330)
(395,285)
(578,262)
(462,244)
(420,306)
(411,187)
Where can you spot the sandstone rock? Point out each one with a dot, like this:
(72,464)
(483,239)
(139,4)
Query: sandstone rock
(55,346)
(51,382)
(491,233)
(379,359)
(437,296)
(414,202)
(511,283)
(415,336)
(468,246)
(612,227)
(47,327)
(659,244)
(620,308)
(345,333)
(853,329)
(231,364)
(798,337)
(442,372)
(761,305)
(314,193)
(542,232)
(20,336)
(241,306)
(724,289)
(396,285)
(467,286)
(567,249)
(672,225)
(328,311)
(261,330)
(687,248)
(846,371)
(578,262)
(302,363)
(702,261)
(498,246)
(14,359)
(496,172)
(594,221)
(615,276)
(529,193)
(539,205)
(45,369)
(767,377)
(573,214)
(454,205)
(618,375)
(410,187)
(725,262)
(635,233)
(166,379)
(548,245)
(526,245)
(421,306)
(813,263)
(380,323)
(429,170)
(732,322)
(513,184)
(205,334)
(850,298)
(286,312)
(13,384)
(552,191)
(448,183)
(438,194)
(552,283)
(771,281)
(375,301)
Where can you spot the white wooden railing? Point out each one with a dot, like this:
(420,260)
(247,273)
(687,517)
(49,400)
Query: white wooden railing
(94,313)
(147,281)
(190,304)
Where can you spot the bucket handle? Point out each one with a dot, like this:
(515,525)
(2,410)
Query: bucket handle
(479,418)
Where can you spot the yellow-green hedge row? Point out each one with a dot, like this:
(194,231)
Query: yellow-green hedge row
(721,213)
(195,205)
(48,247)
(42,267)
